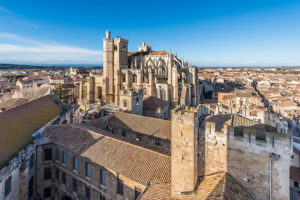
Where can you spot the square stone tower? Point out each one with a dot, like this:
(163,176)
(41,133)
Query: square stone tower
(184,148)
(108,67)
(115,58)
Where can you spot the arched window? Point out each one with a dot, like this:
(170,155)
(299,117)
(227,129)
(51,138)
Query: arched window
(134,79)
(99,92)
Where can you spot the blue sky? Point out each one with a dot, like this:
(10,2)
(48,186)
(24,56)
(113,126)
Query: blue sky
(206,32)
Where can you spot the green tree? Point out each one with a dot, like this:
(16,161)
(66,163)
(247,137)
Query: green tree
(62,93)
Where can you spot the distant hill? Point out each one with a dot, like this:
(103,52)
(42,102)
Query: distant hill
(17,66)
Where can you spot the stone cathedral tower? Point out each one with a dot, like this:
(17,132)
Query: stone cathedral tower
(115,58)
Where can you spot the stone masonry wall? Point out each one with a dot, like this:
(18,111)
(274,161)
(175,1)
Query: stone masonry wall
(59,190)
(247,160)
(184,148)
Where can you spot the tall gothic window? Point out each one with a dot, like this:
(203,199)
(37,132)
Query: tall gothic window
(134,79)
(163,94)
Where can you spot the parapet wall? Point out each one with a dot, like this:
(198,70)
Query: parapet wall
(247,158)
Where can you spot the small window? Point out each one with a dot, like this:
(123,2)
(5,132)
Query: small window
(124,133)
(48,154)
(157,142)
(47,192)
(47,173)
(120,187)
(64,178)
(125,103)
(296,184)
(57,153)
(75,186)
(88,169)
(138,192)
(87,193)
(102,177)
(31,162)
(57,174)
(64,157)
(115,47)
(7,187)
(75,163)
(139,137)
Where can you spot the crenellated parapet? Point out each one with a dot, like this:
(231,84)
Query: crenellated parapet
(248,137)
(244,149)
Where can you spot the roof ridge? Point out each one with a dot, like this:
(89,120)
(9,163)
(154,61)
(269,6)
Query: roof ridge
(123,141)
(29,102)
(142,116)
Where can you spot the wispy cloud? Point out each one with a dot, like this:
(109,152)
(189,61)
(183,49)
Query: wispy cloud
(35,26)
(17,49)
(6,11)
(17,17)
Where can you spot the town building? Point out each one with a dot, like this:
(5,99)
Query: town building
(203,156)
(20,129)
(155,73)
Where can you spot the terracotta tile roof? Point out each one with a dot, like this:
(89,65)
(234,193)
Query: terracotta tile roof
(217,186)
(239,121)
(230,96)
(220,121)
(19,123)
(137,53)
(135,162)
(11,103)
(146,125)
(295,173)
(287,103)
(243,121)
(153,103)
(243,93)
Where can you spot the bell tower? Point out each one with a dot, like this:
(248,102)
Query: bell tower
(115,58)
(108,67)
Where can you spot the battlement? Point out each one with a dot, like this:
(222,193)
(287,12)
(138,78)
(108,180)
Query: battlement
(242,147)
(131,92)
(179,109)
(251,138)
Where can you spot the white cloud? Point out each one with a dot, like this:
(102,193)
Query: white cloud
(17,49)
